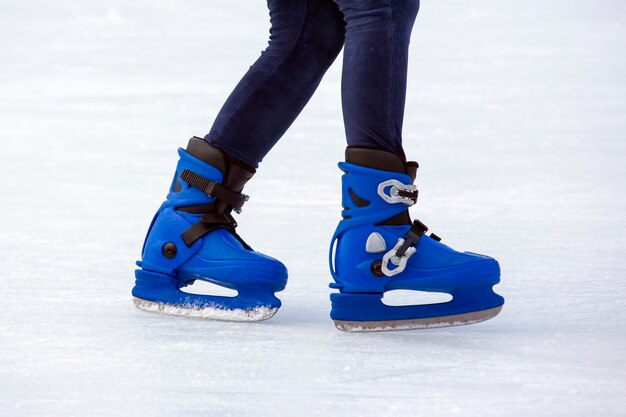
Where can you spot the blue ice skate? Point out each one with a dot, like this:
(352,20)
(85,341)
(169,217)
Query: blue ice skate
(379,249)
(192,237)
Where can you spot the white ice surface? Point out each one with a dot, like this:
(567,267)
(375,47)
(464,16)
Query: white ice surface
(516,112)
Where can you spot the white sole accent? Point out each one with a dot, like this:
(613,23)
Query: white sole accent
(426,323)
(209,313)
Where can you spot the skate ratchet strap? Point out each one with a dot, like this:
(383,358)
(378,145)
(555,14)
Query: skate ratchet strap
(398,192)
(208,222)
(215,190)
(404,249)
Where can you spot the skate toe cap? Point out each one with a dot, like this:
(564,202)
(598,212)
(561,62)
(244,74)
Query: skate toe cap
(433,254)
(233,271)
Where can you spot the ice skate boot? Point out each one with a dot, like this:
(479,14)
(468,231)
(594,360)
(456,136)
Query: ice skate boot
(192,237)
(379,249)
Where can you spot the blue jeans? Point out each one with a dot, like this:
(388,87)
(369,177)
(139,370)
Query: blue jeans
(305,38)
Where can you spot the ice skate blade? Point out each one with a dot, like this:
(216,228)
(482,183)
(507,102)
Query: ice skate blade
(209,313)
(425,323)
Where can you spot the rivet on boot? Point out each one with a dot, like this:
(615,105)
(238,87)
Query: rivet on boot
(169,250)
(377,268)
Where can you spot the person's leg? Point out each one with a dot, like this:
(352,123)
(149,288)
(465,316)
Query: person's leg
(376,247)
(192,237)
(305,38)
(375,70)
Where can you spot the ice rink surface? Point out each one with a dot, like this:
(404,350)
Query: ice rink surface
(516,112)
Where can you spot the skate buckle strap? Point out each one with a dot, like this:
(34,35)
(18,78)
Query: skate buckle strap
(404,249)
(398,192)
(208,222)
(215,190)
(223,219)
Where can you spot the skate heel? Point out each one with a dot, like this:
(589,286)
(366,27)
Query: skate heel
(148,282)
(153,288)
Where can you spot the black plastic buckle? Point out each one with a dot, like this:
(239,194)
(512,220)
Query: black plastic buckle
(419,227)
(210,188)
(412,237)
(411,195)
(215,190)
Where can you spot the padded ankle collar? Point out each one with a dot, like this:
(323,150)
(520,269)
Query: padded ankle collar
(235,173)
(381,160)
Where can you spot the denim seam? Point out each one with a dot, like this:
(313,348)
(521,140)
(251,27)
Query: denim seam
(289,50)
(391,76)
